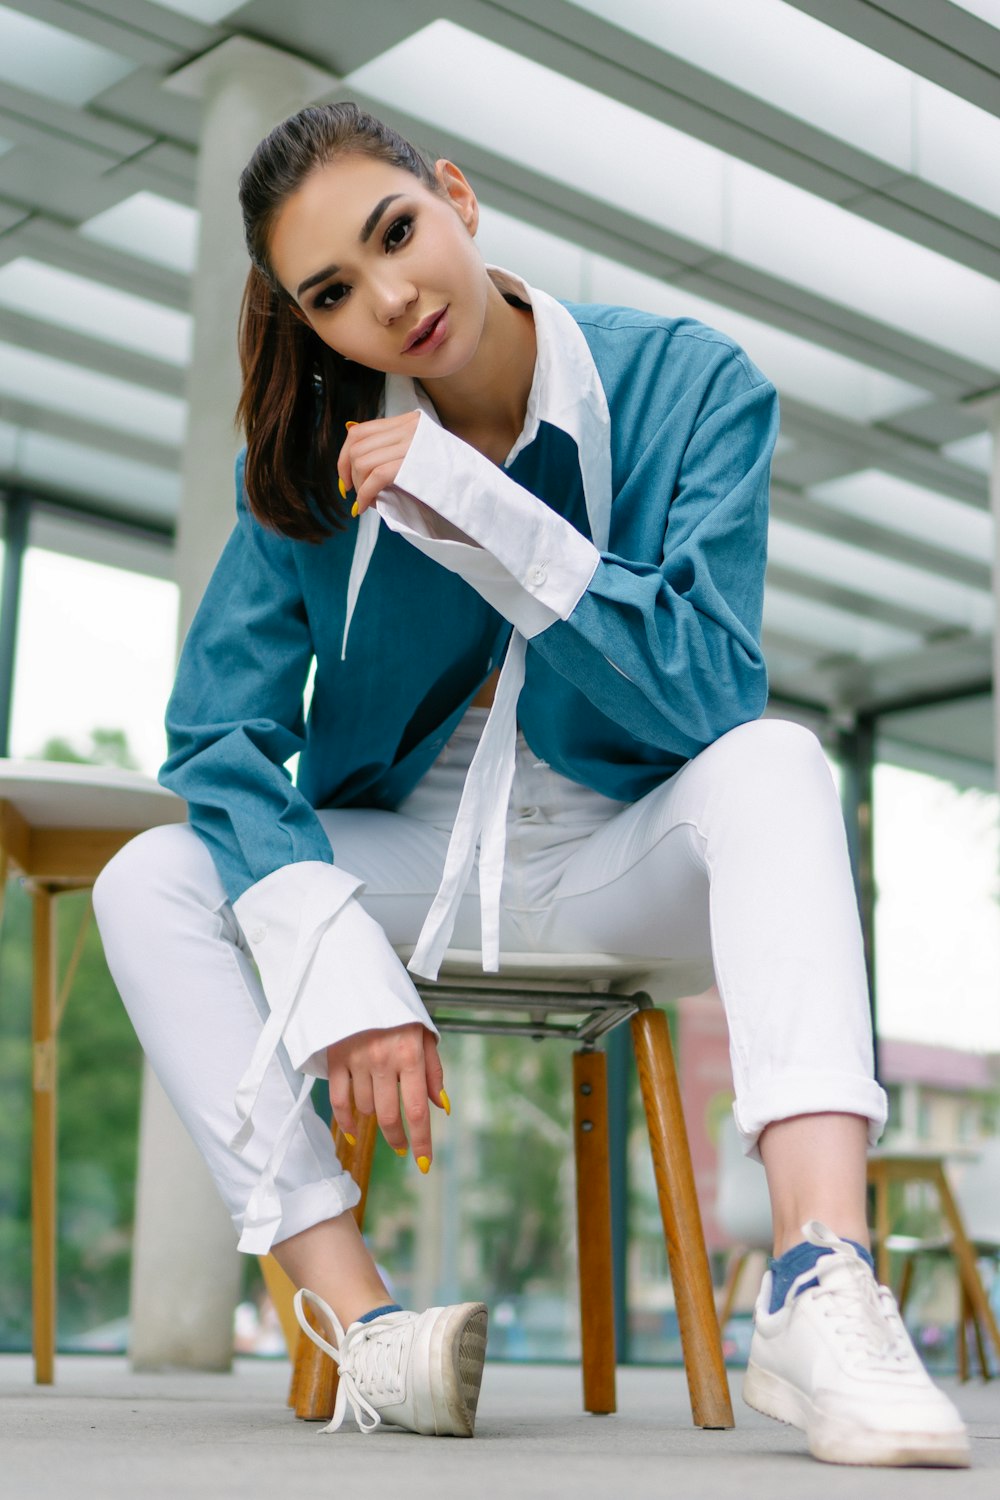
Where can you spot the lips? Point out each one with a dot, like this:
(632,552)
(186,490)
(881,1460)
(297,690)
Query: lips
(424,333)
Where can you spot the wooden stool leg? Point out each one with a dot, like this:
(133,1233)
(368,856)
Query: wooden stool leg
(977,1329)
(281,1290)
(314,1374)
(593,1229)
(43,1137)
(906,1283)
(963,1333)
(689,1270)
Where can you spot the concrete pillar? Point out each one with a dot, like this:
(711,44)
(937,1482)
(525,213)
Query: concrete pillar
(185,1275)
(991,407)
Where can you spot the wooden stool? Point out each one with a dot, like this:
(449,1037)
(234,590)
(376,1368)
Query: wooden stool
(577,1002)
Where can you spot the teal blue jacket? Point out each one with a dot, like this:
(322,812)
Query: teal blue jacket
(659,658)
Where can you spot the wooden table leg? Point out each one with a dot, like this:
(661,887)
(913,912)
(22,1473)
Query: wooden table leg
(314,1374)
(593,1229)
(43,1136)
(689,1270)
(965,1256)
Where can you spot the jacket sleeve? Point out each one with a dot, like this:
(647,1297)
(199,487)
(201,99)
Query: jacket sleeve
(236,714)
(666,646)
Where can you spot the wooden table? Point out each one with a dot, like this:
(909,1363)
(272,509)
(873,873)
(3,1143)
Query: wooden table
(888,1166)
(59,826)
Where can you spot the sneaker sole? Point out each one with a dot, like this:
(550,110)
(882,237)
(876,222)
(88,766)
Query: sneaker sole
(836,1442)
(458,1351)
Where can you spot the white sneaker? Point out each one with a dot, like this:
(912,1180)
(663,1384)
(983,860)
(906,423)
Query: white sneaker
(421,1371)
(837,1362)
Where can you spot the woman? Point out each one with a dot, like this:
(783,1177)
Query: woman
(578,494)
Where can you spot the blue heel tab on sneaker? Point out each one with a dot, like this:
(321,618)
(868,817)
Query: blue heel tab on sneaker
(800,1258)
(378,1312)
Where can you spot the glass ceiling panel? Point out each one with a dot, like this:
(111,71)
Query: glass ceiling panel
(576,135)
(101,312)
(86,471)
(777,53)
(851,567)
(811,243)
(573,133)
(834,630)
(820,377)
(909,508)
(975,452)
(151,227)
(957,146)
(46,60)
(56,385)
(791,60)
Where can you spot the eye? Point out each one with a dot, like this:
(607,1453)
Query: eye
(398,232)
(330,296)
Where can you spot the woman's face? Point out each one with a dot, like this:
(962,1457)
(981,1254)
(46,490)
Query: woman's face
(385,270)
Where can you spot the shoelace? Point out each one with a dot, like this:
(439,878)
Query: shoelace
(373,1361)
(866,1312)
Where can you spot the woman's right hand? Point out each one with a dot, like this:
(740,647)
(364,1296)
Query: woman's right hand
(393,1074)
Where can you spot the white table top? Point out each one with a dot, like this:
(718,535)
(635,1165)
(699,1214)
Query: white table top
(56,794)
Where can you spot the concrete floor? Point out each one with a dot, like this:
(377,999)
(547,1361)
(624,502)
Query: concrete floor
(102,1433)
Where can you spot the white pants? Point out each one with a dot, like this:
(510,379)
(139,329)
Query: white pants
(737,865)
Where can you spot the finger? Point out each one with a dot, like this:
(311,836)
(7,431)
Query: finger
(345,472)
(388,1112)
(380,478)
(434,1074)
(413,1089)
(364,1093)
(340,1101)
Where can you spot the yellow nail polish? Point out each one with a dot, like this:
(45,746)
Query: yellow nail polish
(342,487)
(445,1102)
(424,1163)
(349,425)
(401,1150)
(354,509)
(349,1139)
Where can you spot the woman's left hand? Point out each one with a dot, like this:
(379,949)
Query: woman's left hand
(373,454)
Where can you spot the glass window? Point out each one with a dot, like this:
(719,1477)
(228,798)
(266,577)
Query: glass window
(95,652)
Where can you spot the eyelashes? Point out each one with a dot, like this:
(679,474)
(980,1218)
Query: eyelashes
(396,235)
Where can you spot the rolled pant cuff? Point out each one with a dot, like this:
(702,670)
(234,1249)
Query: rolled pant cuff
(310,1205)
(790,1094)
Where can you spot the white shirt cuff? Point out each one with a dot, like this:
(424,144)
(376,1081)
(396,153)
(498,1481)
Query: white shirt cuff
(305,927)
(454,505)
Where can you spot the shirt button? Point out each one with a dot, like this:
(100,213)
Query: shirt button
(257,934)
(538,574)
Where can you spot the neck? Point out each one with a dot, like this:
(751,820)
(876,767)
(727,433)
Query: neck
(486,401)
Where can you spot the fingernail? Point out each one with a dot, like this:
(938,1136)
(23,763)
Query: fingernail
(424,1163)
(354,509)
(445,1102)
(349,1138)
(342,487)
(401,1150)
(349,425)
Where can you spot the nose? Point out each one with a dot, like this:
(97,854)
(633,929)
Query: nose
(391,300)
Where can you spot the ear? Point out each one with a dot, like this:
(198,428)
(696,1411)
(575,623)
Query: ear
(457,188)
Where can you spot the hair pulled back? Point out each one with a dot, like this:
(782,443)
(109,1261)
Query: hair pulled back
(297,392)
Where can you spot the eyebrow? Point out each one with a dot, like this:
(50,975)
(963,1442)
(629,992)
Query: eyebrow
(367,230)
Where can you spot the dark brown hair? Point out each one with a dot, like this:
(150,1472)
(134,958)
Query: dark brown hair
(297,392)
